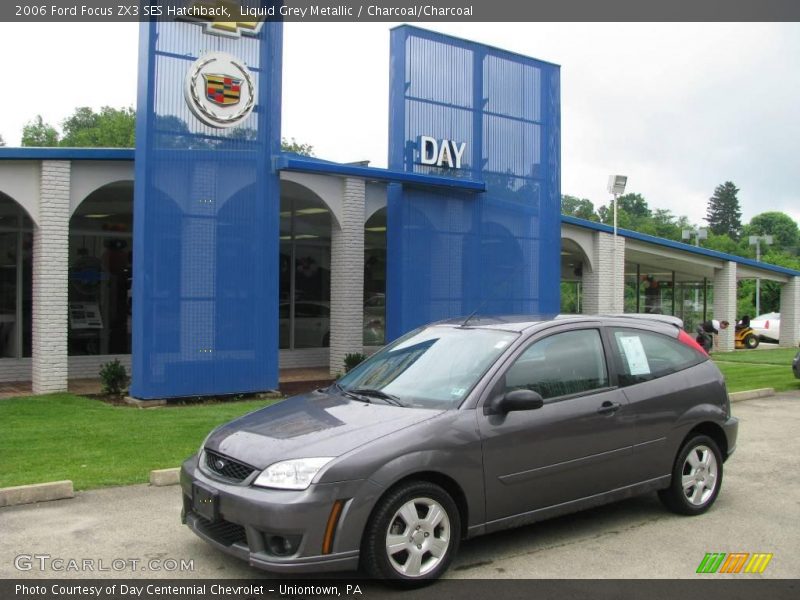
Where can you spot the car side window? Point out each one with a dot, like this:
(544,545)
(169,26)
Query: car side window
(565,363)
(645,355)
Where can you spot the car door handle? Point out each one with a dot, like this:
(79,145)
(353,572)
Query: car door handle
(608,407)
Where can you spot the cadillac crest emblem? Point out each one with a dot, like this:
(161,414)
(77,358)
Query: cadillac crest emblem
(219,90)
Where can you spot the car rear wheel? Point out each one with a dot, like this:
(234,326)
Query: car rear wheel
(696,477)
(413,534)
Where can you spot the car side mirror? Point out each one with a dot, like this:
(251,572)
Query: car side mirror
(513,401)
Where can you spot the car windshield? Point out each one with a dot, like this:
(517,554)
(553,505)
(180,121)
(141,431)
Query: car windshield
(434,367)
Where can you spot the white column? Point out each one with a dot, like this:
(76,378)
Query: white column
(347,276)
(50,271)
(725,303)
(604,287)
(790,314)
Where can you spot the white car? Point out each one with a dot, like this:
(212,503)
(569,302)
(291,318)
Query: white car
(767,326)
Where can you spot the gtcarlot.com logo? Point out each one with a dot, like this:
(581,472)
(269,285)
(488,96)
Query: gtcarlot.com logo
(734,562)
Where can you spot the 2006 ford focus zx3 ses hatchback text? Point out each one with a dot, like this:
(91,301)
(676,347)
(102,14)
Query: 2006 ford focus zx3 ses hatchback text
(463,428)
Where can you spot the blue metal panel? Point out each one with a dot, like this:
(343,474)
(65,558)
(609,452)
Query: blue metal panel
(205,223)
(449,252)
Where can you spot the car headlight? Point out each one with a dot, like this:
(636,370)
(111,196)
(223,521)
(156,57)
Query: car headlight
(295,474)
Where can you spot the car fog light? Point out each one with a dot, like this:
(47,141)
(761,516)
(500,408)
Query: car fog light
(280,545)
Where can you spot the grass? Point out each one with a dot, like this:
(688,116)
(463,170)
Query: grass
(753,369)
(62,436)
(776,356)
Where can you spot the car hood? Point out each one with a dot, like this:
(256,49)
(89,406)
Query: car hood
(315,424)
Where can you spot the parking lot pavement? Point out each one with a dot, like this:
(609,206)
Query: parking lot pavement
(757,511)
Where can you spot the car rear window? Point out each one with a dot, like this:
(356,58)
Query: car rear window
(645,355)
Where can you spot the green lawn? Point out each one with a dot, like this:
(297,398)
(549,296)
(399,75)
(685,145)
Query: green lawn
(752,369)
(777,356)
(61,436)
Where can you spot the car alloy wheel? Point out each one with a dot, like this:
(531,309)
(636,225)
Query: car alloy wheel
(699,480)
(418,537)
(412,535)
(696,477)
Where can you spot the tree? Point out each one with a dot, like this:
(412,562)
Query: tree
(635,205)
(577,207)
(723,214)
(779,225)
(39,133)
(298,148)
(109,128)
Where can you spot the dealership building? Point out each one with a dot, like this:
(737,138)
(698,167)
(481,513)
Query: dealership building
(206,259)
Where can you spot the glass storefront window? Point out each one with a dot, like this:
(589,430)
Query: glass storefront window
(375,279)
(101,271)
(305,273)
(16,245)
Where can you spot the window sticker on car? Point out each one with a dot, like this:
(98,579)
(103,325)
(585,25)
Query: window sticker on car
(634,354)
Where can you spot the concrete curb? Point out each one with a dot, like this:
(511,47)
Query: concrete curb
(752,394)
(37,492)
(162,477)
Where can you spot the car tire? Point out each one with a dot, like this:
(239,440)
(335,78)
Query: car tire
(696,477)
(411,525)
(751,342)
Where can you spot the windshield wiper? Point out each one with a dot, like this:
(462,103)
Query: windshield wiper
(350,394)
(389,398)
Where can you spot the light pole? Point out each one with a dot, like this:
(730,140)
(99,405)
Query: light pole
(755,240)
(698,234)
(616,187)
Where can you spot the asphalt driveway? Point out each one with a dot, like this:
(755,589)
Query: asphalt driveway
(135,531)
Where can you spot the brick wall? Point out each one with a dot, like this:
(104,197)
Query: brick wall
(725,303)
(602,291)
(347,275)
(50,271)
(790,313)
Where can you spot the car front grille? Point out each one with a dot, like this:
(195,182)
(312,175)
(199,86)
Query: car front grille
(221,531)
(227,467)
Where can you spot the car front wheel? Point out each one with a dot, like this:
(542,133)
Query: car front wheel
(696,477)
(413,534)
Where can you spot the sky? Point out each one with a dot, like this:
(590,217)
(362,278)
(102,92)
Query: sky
(678,108)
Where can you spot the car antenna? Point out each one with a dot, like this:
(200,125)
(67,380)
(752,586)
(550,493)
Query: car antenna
(482,304)
(472,314)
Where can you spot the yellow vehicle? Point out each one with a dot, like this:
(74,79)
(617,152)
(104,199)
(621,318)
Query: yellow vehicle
(745,337)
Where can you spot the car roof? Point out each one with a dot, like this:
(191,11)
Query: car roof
(521,323)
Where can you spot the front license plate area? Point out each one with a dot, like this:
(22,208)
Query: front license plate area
(205,502)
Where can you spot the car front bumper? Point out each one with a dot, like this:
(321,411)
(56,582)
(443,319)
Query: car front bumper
(247,518)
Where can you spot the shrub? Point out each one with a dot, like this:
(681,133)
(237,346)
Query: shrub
(114,377)
(352,360)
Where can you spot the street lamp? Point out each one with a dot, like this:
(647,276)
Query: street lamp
(698,234)
(616,187)
(755,240)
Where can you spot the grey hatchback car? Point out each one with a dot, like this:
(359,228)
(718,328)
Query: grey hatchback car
(459,429)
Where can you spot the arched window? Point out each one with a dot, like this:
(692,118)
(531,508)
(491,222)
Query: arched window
(375,279)
(101,271)
(305,270)
(16,251)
